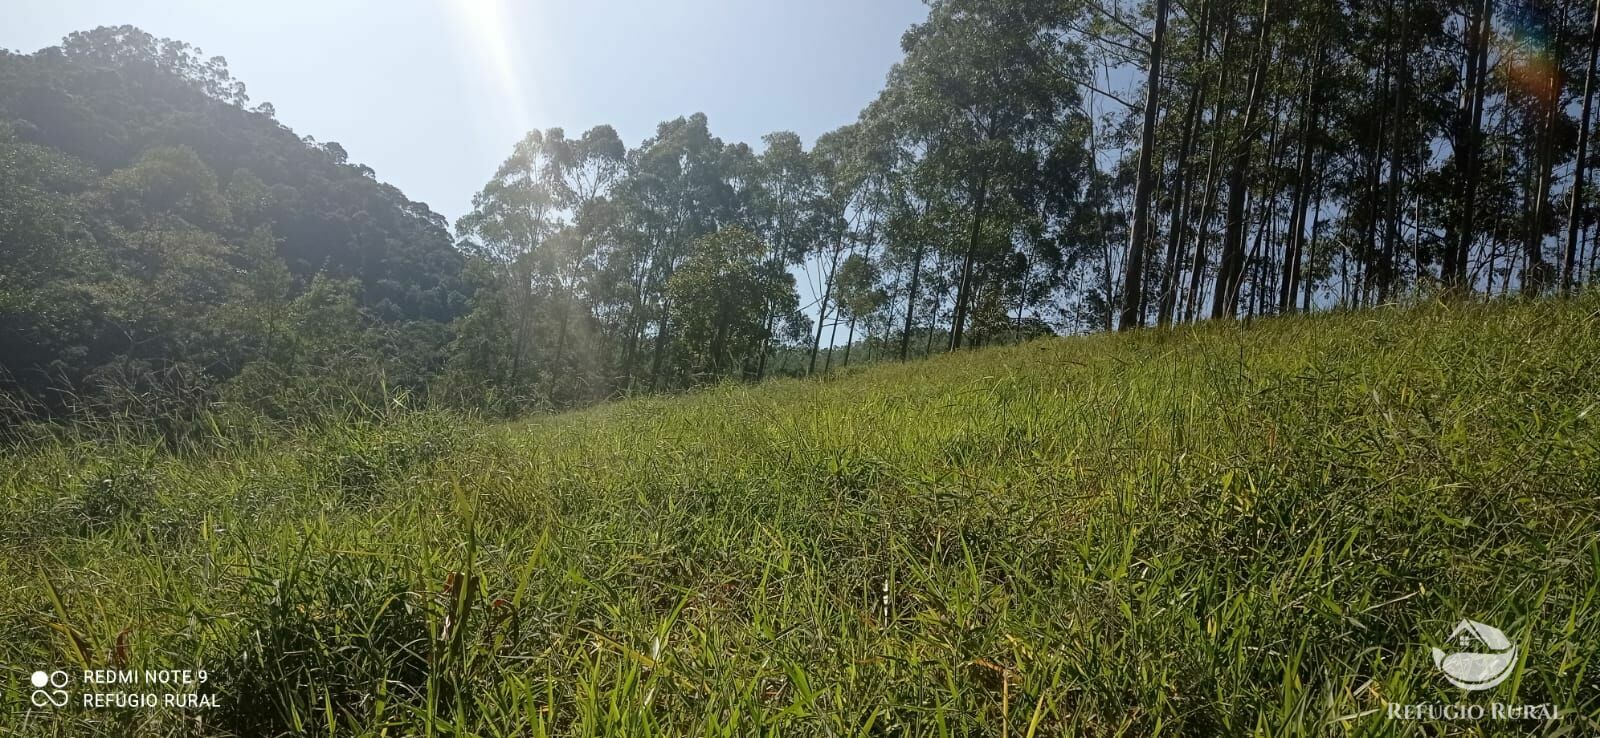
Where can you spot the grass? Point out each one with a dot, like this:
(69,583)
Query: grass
(1211,531)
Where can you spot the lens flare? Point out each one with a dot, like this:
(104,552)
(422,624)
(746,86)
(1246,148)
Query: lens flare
(485,26)
(1531,59)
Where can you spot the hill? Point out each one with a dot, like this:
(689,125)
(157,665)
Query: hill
(1215,530)
(160,236)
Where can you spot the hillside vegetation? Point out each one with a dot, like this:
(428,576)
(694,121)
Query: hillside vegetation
(1214,530)
(164,248)
(173,255)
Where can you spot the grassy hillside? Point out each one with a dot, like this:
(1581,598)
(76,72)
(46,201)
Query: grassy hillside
(1216,530)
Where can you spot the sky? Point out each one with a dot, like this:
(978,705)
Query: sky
(433,93)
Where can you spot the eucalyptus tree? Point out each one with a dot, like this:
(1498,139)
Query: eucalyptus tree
(1570,256)
(789,193)
(512,218)
(674,192)
(1230,266)
(989,87)
(584,171)
(1467,136)
(902,195)
(1196,73)
(860,295)
(721,296)
(1308,154)
(1132,314)
(840,163)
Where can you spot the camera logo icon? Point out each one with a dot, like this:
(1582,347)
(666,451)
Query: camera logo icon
(49,688)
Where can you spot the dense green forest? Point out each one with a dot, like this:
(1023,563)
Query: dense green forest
(169,252)
(165,247)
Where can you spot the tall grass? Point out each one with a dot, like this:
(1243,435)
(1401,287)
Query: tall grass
(1218,530)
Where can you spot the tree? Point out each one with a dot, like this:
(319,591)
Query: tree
(1133,285)
(988,87)
(514,217)
(1230,269)
(1575,197)
(859,294)
(789,196)
(842,173)
(675,191)
(720,299)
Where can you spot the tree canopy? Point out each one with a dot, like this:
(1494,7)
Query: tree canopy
(1029,167)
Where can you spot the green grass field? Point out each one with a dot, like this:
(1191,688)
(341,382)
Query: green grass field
(1212,531)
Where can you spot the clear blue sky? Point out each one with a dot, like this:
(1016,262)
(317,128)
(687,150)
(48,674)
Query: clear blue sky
(432,93)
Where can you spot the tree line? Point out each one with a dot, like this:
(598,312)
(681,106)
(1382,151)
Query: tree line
(1316,154)
(1029,167)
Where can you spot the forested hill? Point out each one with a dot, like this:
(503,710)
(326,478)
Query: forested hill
(160,236)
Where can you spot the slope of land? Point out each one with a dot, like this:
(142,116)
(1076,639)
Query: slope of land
(1218,530)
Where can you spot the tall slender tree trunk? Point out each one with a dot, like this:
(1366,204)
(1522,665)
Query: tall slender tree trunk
(833,340)
(561,348)
(636,323)
(662,277)
(659,353)
(1022,304)
(933,317)
(911,301)
(1575,204)
(1225,298)
(1179,215)
(1133,279)
(1391,237)
(1267,230)
(964,291)
(1370,264)
(1191,310)
(1253,260)
(1461,230)
(1594,256)
(849,340)
(1311,250)
(1191,307)
(775,260)
(523,305)
(822,307)
(765,344)
(1535,275)
(1344,279)
(1310,109)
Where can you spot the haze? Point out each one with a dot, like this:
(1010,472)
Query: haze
(432,94)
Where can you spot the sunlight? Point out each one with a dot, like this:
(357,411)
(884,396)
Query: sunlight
(484,26)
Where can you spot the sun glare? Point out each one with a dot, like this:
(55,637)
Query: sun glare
(484,26)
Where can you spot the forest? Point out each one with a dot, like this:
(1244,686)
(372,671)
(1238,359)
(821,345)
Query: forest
(1030,167)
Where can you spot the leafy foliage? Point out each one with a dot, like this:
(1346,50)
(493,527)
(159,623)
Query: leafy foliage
(162,241)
